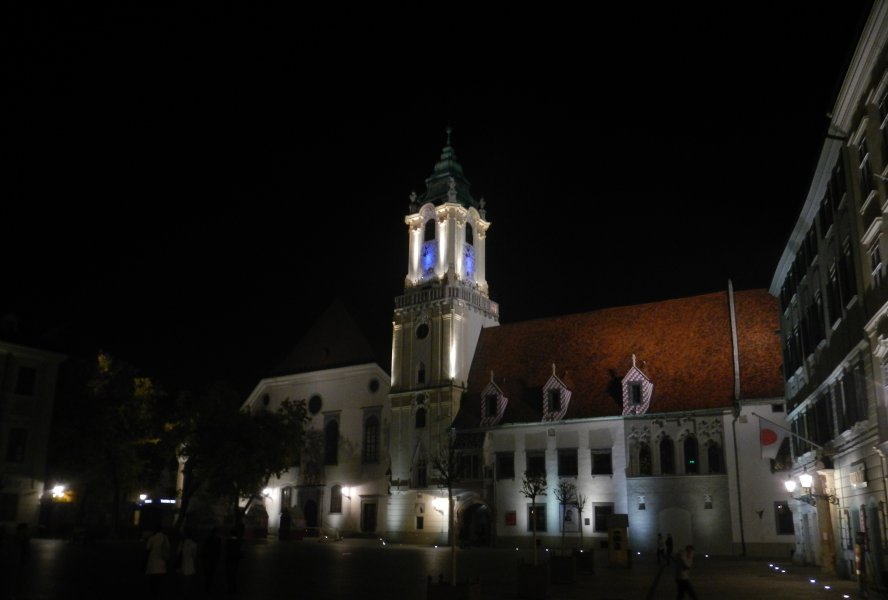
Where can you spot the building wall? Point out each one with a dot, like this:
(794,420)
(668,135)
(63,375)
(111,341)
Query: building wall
(548,438)
(349,395)
(833,288)
(759,490)
(27,392)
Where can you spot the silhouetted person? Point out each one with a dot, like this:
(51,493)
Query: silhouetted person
(158,547)
(233,555)
(683,563)
(209,557)
(661,548)
(669,544)
(286,523)
(21,556)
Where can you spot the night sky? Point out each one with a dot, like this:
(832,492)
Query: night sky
(189,190)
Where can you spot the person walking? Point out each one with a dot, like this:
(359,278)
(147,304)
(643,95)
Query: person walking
(209,557)
(669,544)
(158,547)
(233,555)
(683,563)
(187,555)
(661,548)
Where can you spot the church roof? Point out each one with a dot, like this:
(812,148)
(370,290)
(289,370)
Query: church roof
(683,346)
(438,183)
(335,340)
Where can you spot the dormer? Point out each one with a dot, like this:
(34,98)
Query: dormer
(493,404)
(637,391)
(556,398)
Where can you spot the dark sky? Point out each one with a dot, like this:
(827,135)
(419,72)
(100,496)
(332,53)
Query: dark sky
(188,190)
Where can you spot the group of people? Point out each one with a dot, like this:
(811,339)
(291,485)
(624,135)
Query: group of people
(684,560)
(189,559)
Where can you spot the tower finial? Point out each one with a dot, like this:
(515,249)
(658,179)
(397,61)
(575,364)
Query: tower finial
(633,359)
(449,130)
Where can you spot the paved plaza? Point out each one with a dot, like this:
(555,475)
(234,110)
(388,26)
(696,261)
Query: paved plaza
(369,569)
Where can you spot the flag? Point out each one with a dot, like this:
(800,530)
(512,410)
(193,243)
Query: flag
(770,438)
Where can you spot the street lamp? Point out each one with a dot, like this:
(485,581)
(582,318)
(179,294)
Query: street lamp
(807,483)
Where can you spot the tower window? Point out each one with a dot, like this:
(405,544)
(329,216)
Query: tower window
(667,456)
(469,234)
(553,398)
(429,231)
(422,332)
(491,405)
(635,393)
(691,458)
(371,440)
(331,442)
(421,373)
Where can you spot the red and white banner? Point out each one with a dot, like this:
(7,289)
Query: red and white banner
(770,438)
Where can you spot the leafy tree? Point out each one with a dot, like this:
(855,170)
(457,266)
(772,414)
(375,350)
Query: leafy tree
(533,485)
(566,494)
(232,453)
(447,464)
(106,436)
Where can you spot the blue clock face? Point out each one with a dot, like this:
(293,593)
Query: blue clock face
(469,260)
(428,257)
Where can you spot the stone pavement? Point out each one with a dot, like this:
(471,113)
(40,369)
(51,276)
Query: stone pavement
(721,578)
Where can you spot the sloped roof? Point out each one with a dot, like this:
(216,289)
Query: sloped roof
(333,341)
(684,346)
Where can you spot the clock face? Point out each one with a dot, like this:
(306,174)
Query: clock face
(428,257)
(469,260)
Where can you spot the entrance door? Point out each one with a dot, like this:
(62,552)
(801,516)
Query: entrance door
(310,510)
(368,517)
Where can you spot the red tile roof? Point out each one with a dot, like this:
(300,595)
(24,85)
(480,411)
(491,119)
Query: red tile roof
(683,346)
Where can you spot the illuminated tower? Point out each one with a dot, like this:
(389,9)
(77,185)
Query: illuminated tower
(438,318)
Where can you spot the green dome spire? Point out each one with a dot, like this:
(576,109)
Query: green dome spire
(447,183)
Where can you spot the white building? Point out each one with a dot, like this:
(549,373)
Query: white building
(27,392)
(341,487)
(831,281)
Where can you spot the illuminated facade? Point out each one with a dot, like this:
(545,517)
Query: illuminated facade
(341,486)
(831,281)
(436,325)
(27,392)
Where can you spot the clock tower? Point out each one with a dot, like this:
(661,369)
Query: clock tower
(437,320)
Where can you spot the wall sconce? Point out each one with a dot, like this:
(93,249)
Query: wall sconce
(267,492)
(807,482)
(439,504)
(346,492)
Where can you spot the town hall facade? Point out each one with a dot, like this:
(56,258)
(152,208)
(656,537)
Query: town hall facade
(651,411)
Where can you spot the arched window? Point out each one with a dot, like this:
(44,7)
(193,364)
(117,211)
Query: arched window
(331,443)
(420,373)
(371,440)
(667,456)
(714,454)
(470,238)
(429,231)
(644,460)
(420,418)
(336,499)
(691,455)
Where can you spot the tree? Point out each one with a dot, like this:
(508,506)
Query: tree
(581,500)
(565,493)
(106,440)
(446,462)
(233,453)
(533,485)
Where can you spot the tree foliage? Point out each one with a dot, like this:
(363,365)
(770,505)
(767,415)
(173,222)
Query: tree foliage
(106,438)
(230,453)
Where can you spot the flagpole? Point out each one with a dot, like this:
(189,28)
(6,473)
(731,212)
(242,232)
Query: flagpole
(789,431)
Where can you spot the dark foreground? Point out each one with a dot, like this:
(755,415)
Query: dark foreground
(360,569)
